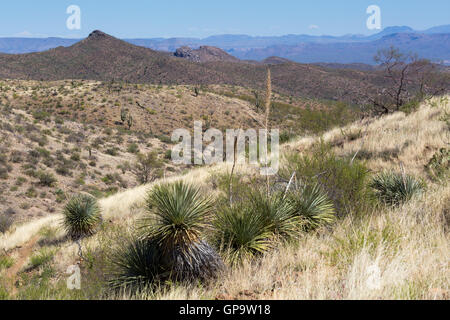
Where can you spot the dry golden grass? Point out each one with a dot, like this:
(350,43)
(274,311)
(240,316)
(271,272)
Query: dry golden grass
(392,253)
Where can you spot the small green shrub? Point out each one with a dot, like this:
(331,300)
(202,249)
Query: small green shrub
(133,148)
(6,262)
(395,188)
(344,181)
(41,258)
(81,216)
(438,168)
(46,179)
(5,222)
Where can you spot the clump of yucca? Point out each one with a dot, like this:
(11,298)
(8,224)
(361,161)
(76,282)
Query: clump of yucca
(277,213)
(81,216)
(178,216)
(242,233)
(312,204)
(250,227)
(136,264)
(395,188)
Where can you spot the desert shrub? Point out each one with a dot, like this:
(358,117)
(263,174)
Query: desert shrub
(147,167)
(4,170)
(438,168)
(81,216)
(31,193)
(178,214)
(41,258)
(165,139)
(241,186)
(64,168)
(133,148)
(114,151)
(6,262)
(395,188)
(312,204)
(241,232)
(6,222)
(16,156)
(344,181)
(46,179)
(75,157)
(33,157)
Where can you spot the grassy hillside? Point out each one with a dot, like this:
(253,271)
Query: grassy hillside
(371,251)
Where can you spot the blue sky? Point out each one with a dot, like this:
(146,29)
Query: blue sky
(202,18)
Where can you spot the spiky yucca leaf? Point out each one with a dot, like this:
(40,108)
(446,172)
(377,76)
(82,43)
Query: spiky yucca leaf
(242,232)
(313,205)
(277,213)
(395,188)
(178,215)
(81,216)
(136,263)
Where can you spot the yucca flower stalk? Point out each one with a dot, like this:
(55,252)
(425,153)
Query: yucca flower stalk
(268,103)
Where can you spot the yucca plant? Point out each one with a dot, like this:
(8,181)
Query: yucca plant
(81,216)
(242,232)
(136,264)
(178,216)
(396,188)
(276,212)
(312,204)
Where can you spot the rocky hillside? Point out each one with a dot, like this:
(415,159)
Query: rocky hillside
(204,54)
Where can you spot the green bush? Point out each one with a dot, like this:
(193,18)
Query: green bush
(6,262)
(394,188)
(81,216)
(438,168)
(5,222)
(46,179)
(41,258)
(344,181)
(133,148)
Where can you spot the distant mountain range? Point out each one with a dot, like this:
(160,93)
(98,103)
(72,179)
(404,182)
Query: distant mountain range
(432,44)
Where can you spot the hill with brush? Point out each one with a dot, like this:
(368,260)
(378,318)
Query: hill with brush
(376,197)
(103,57)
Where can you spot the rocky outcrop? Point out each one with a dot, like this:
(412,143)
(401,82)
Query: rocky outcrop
(204,54)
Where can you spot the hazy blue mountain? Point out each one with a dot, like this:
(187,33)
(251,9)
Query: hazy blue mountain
(435,47)
(26,45)
(431,43)
(439,29)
